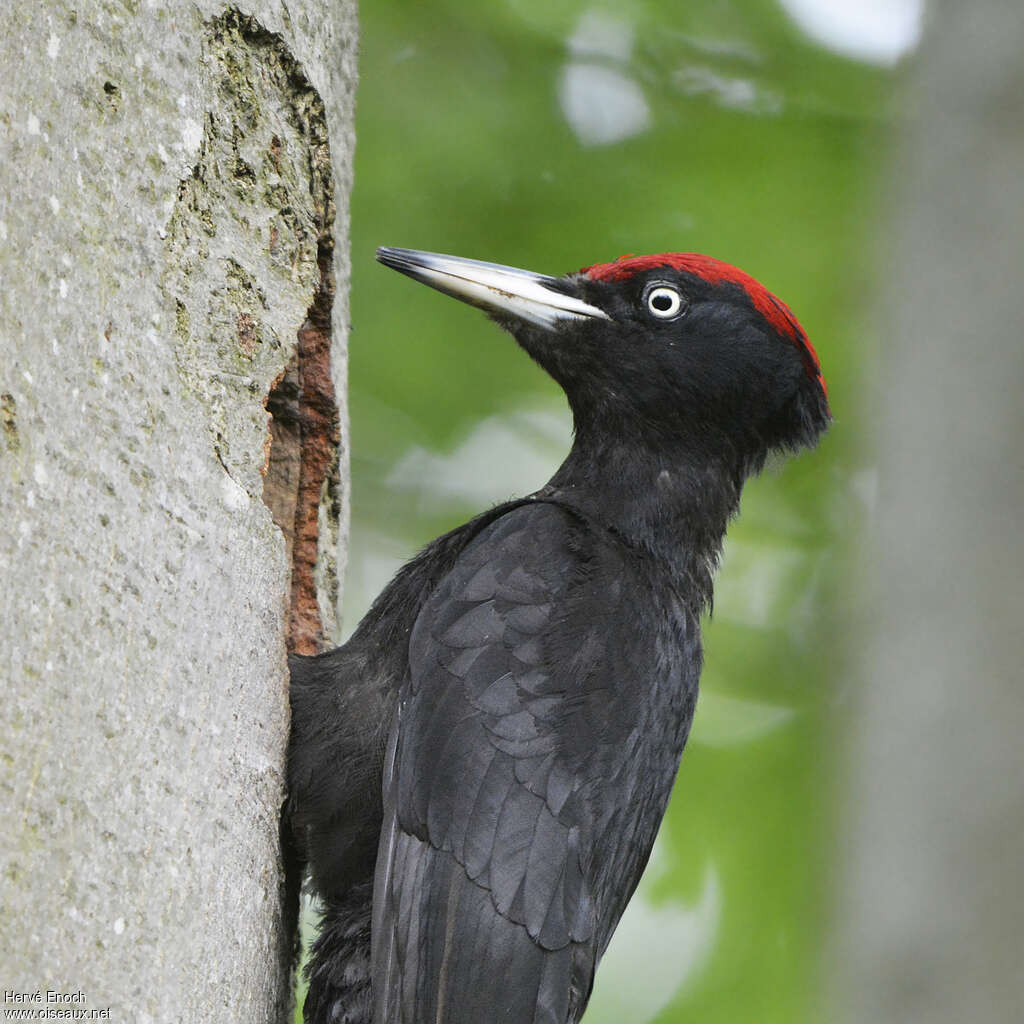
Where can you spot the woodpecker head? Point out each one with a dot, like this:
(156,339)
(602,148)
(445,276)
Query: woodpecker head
(668,350)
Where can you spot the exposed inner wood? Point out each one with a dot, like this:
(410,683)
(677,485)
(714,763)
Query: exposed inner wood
(302,459)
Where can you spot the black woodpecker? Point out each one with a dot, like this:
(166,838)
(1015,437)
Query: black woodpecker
(476,778)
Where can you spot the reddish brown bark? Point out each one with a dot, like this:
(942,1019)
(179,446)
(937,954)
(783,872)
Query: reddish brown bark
(302,458)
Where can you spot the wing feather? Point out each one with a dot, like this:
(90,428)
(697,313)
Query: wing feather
(484,900)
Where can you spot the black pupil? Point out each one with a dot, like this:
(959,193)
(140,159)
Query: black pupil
(662,302)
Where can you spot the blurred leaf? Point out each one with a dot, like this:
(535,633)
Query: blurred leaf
(727,721)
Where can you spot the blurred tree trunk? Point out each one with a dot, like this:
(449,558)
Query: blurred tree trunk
(173,255)
(932,919)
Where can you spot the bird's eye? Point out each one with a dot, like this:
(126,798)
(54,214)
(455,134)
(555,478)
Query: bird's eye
(664,302)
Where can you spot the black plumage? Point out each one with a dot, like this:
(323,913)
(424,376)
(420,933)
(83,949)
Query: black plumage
(488,759)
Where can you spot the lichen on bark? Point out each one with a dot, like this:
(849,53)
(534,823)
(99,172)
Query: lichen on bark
(256,216)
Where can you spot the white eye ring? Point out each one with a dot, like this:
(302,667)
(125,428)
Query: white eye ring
(664,302)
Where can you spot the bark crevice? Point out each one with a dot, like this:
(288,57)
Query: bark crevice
(301,483)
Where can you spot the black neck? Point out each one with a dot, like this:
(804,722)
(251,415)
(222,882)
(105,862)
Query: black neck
(673,504)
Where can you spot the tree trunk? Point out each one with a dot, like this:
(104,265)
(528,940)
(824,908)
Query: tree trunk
(173,255)
(932,918)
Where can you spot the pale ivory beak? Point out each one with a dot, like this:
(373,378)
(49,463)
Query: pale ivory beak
(492,287)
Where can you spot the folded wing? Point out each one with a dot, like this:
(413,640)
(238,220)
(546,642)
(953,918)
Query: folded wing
(483,903)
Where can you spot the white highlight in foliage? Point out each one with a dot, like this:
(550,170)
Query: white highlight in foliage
(732,93)
(372,562)
(602,103)
(532,444)
(878,31)
(655,950)
(732,721)
(53,46)
(758,580)
(598,34)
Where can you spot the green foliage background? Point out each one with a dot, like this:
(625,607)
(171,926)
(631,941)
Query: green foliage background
(462,147)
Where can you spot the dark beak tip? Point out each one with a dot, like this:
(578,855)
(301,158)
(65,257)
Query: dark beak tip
(402,260)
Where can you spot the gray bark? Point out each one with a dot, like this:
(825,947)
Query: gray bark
(932,919)
(174,182)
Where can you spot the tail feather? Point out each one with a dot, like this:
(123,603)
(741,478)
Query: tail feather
(339,966)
